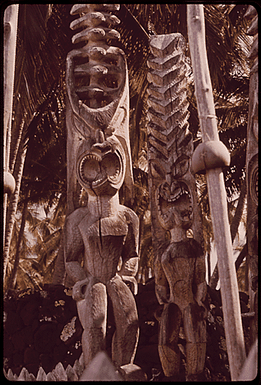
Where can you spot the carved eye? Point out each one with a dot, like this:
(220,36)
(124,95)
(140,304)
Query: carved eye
(180,167)
(156,170)
(165,190)
(110,81)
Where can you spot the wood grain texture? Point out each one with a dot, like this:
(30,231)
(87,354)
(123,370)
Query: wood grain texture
(179,264)
(100,240)
(216,192)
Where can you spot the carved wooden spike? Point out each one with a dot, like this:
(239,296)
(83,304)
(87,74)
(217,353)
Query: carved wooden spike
(24,375)
(41,375)
(57,374)
(71,374)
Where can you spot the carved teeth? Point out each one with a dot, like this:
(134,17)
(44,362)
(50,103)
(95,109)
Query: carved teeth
(115,176)
(97,182)
(97,173)
(171,198)
(181,192)
(92,156)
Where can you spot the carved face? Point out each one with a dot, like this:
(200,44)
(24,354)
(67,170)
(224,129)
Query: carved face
(174,205)
(173,196)
(101,170)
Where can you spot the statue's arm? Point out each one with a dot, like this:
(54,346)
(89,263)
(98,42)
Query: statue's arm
(161,282)
(73,248)
(200,280)
(130,257)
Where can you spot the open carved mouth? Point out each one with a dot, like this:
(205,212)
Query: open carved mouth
(174,199)
(95,170)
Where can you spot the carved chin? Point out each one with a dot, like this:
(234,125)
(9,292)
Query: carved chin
(174,205)
(101,172)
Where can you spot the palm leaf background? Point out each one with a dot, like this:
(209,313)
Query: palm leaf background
(44,39)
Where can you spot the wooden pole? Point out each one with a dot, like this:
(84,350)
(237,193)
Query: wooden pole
(10,33)
(213,155)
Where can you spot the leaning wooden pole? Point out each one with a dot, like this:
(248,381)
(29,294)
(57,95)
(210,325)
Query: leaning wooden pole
(211,155)
(10,33)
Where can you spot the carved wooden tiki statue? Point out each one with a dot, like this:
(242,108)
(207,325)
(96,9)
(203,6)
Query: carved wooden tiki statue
(179,261)
(100,241)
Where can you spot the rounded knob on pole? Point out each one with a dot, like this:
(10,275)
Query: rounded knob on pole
(209,155)
(9,183)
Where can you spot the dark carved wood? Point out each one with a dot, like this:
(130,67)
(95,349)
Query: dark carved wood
(100,240)
(179,260)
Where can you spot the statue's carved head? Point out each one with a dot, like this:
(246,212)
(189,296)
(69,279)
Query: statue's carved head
(100,104)
(175,205)
(101,166)
(173,196)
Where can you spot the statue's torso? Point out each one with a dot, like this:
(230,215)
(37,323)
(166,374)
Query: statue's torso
(178,263)
(103,243)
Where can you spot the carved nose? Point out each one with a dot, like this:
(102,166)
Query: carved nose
(174,186)
(101,147)
(100,138)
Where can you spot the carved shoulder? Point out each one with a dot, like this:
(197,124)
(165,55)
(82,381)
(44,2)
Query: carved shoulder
(76,216)
(200,266)
(132,239)
(72,237)
(130,215)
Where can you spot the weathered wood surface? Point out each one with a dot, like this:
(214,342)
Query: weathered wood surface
(101,369)
(169,140)
(249,371)
(252,170)
(97,85)
(216,191)
(179,263)
(100,239)
(10,33)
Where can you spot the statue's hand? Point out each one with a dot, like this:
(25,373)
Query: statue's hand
(161,294)
(201,294)
(127,272)
(131,283)
(79,289)
(202,308)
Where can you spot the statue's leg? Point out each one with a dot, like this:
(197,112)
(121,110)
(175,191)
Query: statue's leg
(195,332)
(125,338)
(169,353)
(92,311)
